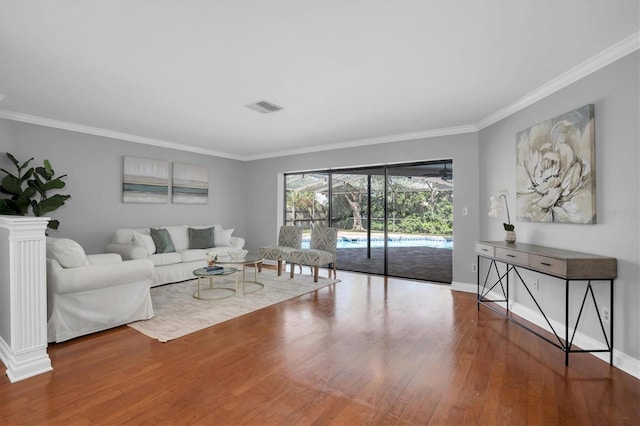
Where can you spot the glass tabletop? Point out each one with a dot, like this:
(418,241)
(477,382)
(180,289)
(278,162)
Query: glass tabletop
(208,272)
(249,258)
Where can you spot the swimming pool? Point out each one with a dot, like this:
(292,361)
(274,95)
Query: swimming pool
(418,241)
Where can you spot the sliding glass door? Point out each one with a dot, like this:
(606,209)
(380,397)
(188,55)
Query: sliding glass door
(307,201)
(420,221)
(357,210)
(392,220)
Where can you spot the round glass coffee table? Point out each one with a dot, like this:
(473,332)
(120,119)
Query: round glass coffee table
(237,262)
(213,292)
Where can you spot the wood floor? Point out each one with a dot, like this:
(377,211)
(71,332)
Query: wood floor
(367,350)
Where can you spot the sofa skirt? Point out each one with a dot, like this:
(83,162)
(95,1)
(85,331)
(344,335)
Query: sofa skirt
(77,314)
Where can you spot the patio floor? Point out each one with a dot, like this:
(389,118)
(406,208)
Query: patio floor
(420,263)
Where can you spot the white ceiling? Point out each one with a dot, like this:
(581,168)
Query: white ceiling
(179,73)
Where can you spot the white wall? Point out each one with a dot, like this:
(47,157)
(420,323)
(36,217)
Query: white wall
(265,209)
(614,90)
(94,167)
(7,141)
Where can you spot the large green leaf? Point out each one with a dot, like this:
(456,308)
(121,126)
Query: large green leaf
(53,184)
(25,164)
(13,160)
(18,207)
(11,185)
(6,208)
(23,207)
(46,173)
(52,203)
(24,200)
(28,193)
(9,173)
(38,184)
(48,169)
(27,175)
(35,207)
(17,163)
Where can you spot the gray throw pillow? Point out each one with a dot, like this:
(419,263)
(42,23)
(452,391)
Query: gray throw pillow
(201,238)
(162,240)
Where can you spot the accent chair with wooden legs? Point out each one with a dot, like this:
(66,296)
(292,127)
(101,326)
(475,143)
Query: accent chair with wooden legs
(322,251)
(289,240)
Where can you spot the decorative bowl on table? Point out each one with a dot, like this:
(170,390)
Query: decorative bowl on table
(238,254)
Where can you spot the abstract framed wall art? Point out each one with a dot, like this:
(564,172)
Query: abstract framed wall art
(145,181)
(190,184)
(555,170)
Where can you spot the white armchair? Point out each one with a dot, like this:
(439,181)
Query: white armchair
(90,293)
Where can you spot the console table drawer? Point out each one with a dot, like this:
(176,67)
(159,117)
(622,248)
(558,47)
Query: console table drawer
(512,256)
(549,265)
(566,264)
(485,249)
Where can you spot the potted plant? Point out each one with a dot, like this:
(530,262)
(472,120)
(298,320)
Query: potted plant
(496,213)
(39,181)
(211,258)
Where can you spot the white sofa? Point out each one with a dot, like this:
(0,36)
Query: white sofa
(91,293)
(179,264)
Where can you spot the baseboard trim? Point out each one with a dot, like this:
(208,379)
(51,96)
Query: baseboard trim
(26,364)
(464,287)
(621,360)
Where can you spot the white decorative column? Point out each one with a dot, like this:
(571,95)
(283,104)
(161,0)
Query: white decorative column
(23,296)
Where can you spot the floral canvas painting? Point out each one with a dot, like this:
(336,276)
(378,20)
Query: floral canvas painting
(190,184)
(555,170)
(145,181)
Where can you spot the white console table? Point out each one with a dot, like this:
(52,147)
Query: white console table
(23,296)
(566,265)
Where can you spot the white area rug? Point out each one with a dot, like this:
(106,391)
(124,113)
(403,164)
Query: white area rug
(178,313)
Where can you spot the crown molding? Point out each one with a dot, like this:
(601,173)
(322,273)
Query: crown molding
(604,58)
(64,125)
(591,65)
(79,128)
(470,128)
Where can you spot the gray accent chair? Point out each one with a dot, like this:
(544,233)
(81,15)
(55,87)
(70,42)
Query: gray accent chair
(322,251)
(289,240)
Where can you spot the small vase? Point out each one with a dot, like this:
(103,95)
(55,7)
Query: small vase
(212,263)
(510,237)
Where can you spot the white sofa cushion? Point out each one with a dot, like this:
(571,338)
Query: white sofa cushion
(125,235)
(103,259)
(192,255)
(222,237)
(159,259)
(68,253)
(179,236)
(145,241)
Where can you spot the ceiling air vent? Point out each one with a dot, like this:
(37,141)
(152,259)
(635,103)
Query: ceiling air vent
(264,107)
